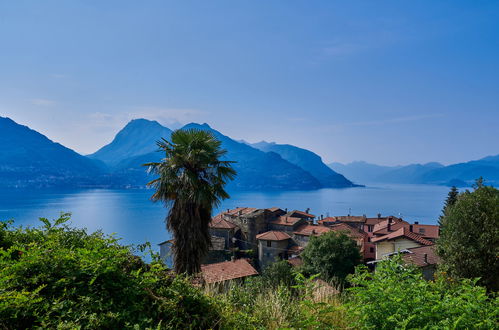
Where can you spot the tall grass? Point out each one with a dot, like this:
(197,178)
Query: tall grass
(254,304)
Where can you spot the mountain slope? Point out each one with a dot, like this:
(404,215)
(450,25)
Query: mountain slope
(256,169)
(360,171)
(432,173)
(261,170)
(308,161)
(28,158)
(487,167)
(413,173)
(138,137)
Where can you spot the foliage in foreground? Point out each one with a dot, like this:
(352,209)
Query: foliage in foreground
(397,297)
(469,240)
(60,277)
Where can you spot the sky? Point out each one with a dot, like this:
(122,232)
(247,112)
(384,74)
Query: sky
(388,82)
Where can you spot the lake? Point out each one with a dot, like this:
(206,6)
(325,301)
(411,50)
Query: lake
(134,218)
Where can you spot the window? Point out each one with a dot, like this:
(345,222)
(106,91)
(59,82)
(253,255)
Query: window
(269,243)
(371,250)
(421,230)
(370,228)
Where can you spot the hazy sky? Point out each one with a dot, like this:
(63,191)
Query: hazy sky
(389,82)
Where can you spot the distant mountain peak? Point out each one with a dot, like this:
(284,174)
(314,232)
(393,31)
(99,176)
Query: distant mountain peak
(138,137)
(197,125)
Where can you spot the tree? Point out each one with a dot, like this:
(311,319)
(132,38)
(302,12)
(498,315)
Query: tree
(334,255)
(191,182)
(469,240)
(451,200)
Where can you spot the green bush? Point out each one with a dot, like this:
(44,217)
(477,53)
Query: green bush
(397,297)
(333,255)
(60,277)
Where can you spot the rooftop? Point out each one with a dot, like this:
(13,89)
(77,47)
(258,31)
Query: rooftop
(350,218)
(402,232)
(219,223)
(227,270)
(286,220)
(312,230)
(240,211)
(300,214)
(350,231)
(417,256)
(273,236)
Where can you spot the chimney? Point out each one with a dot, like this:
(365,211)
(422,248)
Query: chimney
(379,215)
(389,225)
(425,256)
(307,210)
(416,222)
(410,228)
(286,210)
(322,217)
(228,210)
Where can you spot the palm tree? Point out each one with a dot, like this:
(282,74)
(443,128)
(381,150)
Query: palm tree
(191,182)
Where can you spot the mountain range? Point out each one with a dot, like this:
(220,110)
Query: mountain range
(119,164)
(30,159)
(460,175)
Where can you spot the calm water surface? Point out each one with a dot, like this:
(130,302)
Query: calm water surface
(134,218)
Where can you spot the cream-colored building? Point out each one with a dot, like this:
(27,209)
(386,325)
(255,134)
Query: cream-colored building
(399,240)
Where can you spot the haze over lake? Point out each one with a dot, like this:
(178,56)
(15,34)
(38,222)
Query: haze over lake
(134,218)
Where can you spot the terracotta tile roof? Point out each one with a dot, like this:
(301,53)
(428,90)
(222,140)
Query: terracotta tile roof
(296,213)
(273,236)
(286,221)
(417,257)
(308,230)
(381,228)
(227,270)
(240,211)
(275,209)
(219,223)
(328,219)
(350,218)
(295,262)
(373,221)
(427,231)
(350,231)
(403,232)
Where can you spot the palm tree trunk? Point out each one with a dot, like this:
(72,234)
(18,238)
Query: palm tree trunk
(188,223)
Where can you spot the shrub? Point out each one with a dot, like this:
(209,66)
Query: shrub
(396,296)
(61,277)
(332,255)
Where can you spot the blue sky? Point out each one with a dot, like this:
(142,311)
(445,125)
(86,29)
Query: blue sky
(389,82)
